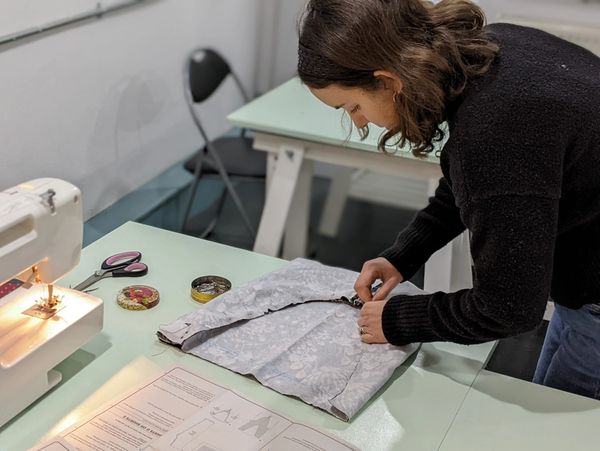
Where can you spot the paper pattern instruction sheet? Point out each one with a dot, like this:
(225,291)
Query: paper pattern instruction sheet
(182,411)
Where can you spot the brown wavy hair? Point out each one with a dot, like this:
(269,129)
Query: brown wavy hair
(435,49)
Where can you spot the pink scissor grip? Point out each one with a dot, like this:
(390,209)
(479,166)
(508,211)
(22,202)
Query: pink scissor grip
(122,258)
(133,270)
(135,267)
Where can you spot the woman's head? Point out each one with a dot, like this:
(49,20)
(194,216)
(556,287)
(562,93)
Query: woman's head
(395,63)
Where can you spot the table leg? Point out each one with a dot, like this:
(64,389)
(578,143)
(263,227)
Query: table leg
(271,164)
(449,269)
(336,201)
(282,185)
(295,240)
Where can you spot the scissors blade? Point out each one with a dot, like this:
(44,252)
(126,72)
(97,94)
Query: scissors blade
(90,280)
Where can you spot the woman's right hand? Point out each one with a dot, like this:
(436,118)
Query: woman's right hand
(378,268)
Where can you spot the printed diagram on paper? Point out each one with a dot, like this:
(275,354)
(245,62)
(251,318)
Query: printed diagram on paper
(182,411)
(227,423)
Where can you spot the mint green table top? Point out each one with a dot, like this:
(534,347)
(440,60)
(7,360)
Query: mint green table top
(502,413)
(413,412)
(290,110)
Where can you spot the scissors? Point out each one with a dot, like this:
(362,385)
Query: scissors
(124,264)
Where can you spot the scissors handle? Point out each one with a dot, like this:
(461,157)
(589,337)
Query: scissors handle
(133,270)
(121,260)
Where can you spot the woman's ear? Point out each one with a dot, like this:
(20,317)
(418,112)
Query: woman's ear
(389,80)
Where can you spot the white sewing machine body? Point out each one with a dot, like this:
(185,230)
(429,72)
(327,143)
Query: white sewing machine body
(41,227)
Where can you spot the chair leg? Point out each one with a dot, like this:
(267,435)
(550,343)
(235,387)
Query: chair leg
(209,229)
(230,188)
(192,191)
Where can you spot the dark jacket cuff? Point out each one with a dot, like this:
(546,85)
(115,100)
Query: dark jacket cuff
(405,319)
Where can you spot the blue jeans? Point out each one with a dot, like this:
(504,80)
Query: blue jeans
(570,357)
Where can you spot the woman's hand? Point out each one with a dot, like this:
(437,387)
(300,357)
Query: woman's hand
(369,322)
(378,268)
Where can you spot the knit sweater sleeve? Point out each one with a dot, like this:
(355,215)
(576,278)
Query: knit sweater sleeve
(512,249)
(506,171)
(432,228)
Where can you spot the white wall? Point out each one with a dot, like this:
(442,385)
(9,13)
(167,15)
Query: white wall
(279,19)
(578,12)
(100,104)
(278,45)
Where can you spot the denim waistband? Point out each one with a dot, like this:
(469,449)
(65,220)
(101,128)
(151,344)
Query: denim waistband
(585,320)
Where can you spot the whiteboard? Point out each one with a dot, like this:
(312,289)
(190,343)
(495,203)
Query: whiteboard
(20,15)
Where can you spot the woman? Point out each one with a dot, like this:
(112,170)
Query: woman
(521,170)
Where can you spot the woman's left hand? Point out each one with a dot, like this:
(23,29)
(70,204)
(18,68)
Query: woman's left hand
(369,322)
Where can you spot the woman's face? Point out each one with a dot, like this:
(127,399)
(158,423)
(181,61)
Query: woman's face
(363,107)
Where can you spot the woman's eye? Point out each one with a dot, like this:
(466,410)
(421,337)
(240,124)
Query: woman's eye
(355,109)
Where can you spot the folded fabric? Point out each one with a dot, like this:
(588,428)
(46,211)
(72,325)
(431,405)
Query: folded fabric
(312,351)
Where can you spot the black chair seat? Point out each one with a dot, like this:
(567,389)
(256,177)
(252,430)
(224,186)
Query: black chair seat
(237,155)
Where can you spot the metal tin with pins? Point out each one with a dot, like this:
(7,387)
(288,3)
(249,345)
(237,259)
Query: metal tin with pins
(206,288)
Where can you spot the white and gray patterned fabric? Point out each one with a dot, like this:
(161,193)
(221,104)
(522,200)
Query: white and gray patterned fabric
(312,351)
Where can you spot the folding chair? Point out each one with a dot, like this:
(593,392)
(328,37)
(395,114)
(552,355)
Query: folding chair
(204,72)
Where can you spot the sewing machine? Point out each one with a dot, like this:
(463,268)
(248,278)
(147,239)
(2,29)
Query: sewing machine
(41,233)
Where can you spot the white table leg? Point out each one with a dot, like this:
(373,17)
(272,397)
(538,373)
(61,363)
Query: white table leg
(449,269)
(278,200)
(271,164)
(336,201)
(295,240)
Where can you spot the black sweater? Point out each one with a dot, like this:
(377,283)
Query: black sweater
(521,171)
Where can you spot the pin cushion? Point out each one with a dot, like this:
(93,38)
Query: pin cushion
(138,297)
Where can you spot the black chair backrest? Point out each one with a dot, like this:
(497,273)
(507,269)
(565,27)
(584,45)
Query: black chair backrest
(207,70)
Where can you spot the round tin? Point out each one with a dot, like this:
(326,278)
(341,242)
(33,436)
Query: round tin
(138,297)
(206,288)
